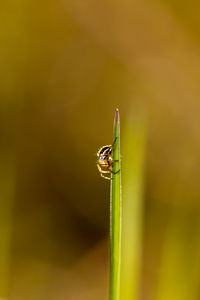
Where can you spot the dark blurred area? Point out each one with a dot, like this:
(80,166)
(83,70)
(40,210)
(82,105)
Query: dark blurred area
(65,67)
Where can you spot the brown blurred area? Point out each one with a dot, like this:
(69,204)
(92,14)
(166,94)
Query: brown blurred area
(65,67)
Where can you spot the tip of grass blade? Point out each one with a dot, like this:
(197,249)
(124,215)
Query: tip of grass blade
(116,115)
(116,123)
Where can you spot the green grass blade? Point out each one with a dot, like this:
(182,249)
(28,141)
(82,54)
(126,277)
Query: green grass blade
(133,153)
(115,215)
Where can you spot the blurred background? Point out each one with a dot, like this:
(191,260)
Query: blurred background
(65,67)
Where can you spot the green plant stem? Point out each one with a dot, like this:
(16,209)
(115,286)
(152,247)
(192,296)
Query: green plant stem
(115,215)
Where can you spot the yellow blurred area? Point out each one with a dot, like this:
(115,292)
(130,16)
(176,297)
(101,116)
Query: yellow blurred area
(65,67)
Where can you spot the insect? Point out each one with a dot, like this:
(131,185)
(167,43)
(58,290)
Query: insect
(105,160)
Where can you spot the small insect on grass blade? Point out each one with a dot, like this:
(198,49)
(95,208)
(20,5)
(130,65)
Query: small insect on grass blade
(115,214)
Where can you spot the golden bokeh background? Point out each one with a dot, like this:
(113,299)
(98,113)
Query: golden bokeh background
(65,67)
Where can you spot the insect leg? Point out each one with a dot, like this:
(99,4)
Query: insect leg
(113,171)
(114,142)
(103,172)
(104,176)
(100,169)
